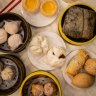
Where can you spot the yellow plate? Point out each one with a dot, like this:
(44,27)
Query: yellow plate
(62,33)
(42,73)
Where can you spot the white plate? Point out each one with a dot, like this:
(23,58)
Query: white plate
(40,61)
(38,19)
(68,59)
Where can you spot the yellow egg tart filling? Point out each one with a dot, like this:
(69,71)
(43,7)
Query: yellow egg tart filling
(31,5)
(49,7)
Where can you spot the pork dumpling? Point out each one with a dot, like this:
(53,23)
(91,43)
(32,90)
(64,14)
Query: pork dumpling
(14,41)
(3,36)
(83,80)
(77,62)
(90,66)
(40,45)
(49,89)
(12,27)
(8,73)
(56,56)
(37,90)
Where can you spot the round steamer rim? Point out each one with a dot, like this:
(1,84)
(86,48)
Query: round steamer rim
(42,73)
(60,27)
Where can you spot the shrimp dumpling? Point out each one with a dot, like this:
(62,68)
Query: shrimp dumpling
(3,36)
(12,27)
(8,73)
(14,41)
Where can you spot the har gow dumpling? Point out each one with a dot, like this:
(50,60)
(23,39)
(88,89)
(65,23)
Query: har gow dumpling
(56,56)
(14,41)
(12,27)
(8,73)
(39,45)
(3,36)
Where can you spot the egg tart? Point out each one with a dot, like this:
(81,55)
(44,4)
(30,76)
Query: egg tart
(49,7)
(31,5)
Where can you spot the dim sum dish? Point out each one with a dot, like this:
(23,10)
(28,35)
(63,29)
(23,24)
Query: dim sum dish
(12,74)
(77,24)
(40,83)
(79,69)
(15,33)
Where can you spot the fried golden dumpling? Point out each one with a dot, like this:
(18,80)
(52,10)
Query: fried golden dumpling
(90,66)
(37,90)
(77,62)
(49,89)
(83,80)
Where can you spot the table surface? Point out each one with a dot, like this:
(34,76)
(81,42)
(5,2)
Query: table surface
(66,89)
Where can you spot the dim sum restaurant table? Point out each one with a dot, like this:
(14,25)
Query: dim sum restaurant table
(66,89)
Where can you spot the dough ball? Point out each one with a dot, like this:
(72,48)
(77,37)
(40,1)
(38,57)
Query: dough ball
(49,89)
(14,41)
(8,73)
(12,27)
(56,56)
(39,45)
(90,66)
(83,80)
(1,66)
(3,36)
(1,81)
(37,90)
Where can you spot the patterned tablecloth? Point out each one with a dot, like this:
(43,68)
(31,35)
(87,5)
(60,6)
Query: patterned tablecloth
(67,90)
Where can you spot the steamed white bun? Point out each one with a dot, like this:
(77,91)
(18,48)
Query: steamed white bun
(7,73)
(14,41)
(56,56)
(3,36)
(40,45)
(12,27)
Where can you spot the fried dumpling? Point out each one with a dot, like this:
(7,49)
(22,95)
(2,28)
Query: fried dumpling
(77,62)
(12,27)
(40,45)
(56,56)
(37,90)
(3,36)
(14,41)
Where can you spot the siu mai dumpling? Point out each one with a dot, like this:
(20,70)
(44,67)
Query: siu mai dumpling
(77,63)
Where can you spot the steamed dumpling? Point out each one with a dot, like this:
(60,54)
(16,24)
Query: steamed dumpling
(56,56)
(49,89)
(40,45)
(12,27)
(3,36)
(14,41)
(8,73)
(37,90)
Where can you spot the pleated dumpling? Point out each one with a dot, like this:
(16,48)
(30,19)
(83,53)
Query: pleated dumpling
(56,56)
(39,45)
(77,62)
(3,36)
(12,27)
(14,41)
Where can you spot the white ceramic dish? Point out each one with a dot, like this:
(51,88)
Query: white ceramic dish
(40,61)
(68,59)
(38,19)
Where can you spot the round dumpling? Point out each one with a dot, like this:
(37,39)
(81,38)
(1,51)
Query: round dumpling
(3,36)
(56,56)
(1,66)
(8,73)
(14,41)
(40,45)
(90,66)
(83,80)
(12,27)
(49,89)
(37,90)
